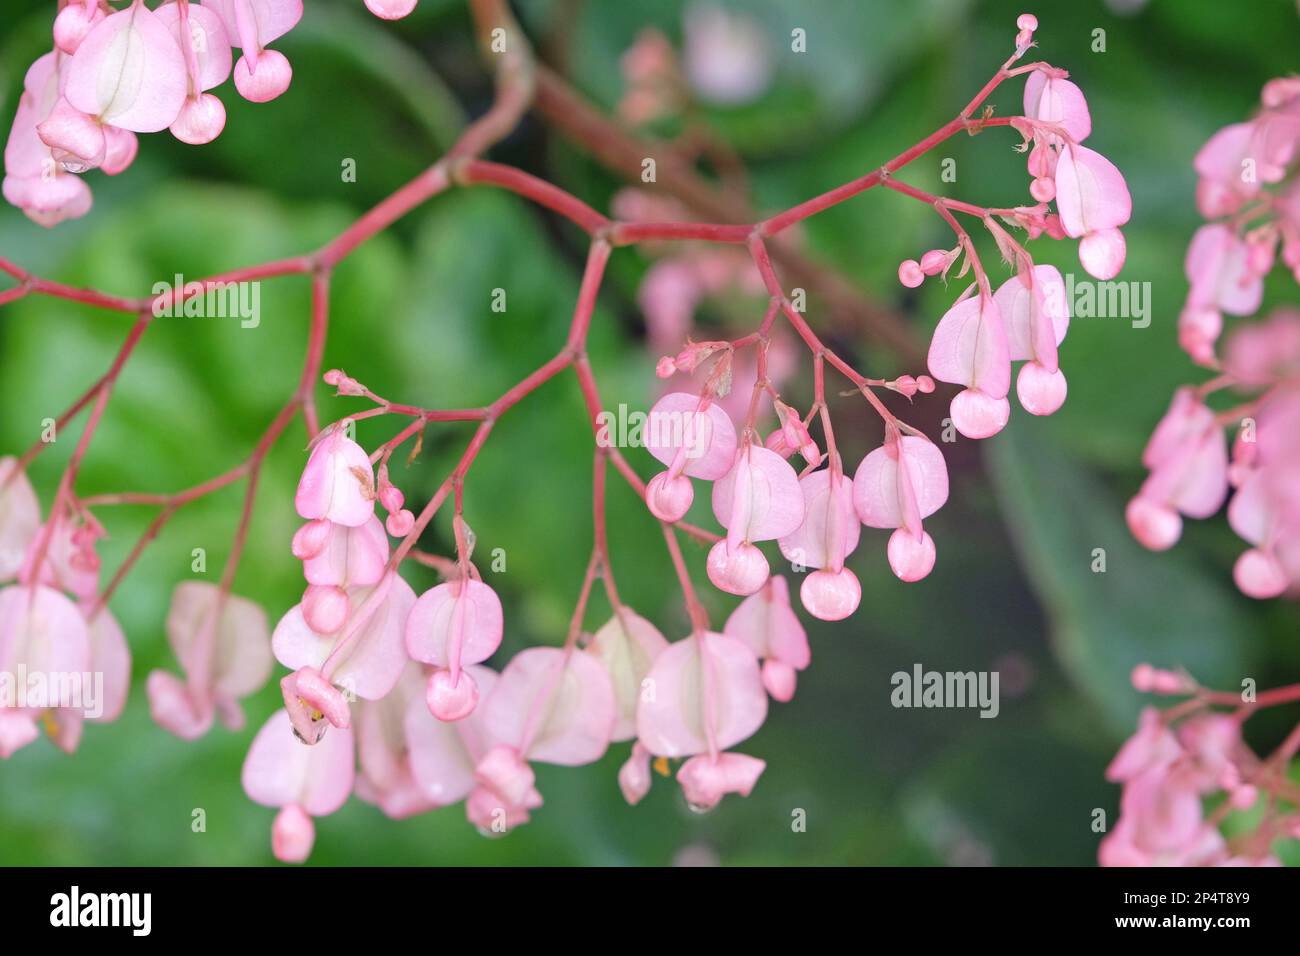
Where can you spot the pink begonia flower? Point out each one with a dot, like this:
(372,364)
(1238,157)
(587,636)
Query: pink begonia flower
(128,72)
(452,625)
(385,749)
(34,181)
(41,632)
(828,535)
(1221,280)
(768,625)
(336,558)
(1037,317)
(20,517)
(726,55)
(391,9)
(443,754)
(1055,100)
(1188,458)
(634,774)
(759,499)
(338,482)
(626,646)
(74,23)
(1161,821)
(550,705)
(303,781)
(1093,201)
(260,74)
(705,694)
(365,658)
(896,486)
(695,439)
(69,563)
(202,39)
(970,348)
(222,645)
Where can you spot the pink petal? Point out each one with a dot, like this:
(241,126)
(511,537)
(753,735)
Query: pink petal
(1036,319)
(1091,194)
(626,646)
(264,20)
(241,656)
(207,38)
(337,483)
(830,529)
(110,655)
(1058,101)
(553,706)
(737,569)
(280,770)
(129,72)
(877,495)
(705,694)
(200,120)
(970,347)
(767,624)
(759,498)
(20,517)
(350,556)
(443,755)
(42,631)
(455,623)
(705,440)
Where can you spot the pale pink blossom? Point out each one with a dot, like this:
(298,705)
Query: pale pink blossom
(759,499)
(627,646)
(391,9)
(705,695)
(1033,307)
(452,625)
(768,625)
(1051,98)
(727,58)
(260,74)
(128,72)
(386,749)
(1221,280)
(823,541)
(338,482)
(365,658)
(41,633)
(695,439)
(305,782)
(443,754)
(970,348)
(900,483)
(1093,201)
(221,642)
(201,37)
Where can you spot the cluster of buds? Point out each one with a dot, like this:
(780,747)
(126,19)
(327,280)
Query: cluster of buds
(1181,759)
(1192,469)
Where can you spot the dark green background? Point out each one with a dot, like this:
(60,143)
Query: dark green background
(1012,590)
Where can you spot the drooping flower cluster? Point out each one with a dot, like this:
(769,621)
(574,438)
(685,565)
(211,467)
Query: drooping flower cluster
(389,694)
(115,73)
(1191,468)
(63,657)
(1181,762)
